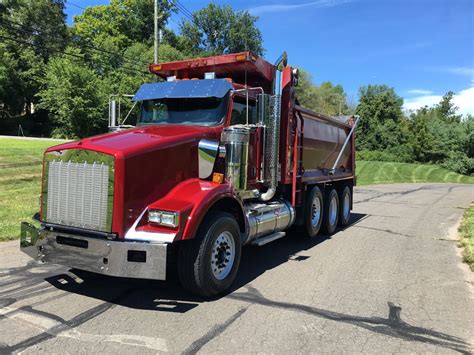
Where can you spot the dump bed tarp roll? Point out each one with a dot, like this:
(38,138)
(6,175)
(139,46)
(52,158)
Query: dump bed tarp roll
(182,89)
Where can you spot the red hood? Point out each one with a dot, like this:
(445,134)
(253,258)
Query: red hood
(141,140)
(149,162)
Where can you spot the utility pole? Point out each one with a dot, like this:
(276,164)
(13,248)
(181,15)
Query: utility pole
(156,32)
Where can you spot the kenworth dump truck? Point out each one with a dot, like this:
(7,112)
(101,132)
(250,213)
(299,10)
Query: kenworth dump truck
(222,156)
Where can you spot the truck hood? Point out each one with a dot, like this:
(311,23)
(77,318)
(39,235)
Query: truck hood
(149,162)
(144,139)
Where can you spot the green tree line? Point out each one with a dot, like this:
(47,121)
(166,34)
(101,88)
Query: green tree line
(56,80)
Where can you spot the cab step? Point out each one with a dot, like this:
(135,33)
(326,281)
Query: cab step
(268,238)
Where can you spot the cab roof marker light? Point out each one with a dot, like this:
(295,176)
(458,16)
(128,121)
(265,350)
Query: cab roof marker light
(210,75)
(241,57)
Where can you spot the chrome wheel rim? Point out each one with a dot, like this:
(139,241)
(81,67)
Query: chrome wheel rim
(346,206)
(333,211)
(315,211)
(223,255)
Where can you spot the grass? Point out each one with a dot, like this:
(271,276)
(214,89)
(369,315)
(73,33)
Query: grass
(20,182)
(375,172)
(467,236)
(20,179)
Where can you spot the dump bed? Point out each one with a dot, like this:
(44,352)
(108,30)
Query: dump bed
(323,140)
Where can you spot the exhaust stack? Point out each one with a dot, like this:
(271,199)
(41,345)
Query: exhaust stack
(272,132)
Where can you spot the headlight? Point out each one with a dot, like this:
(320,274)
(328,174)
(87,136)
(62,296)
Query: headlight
(165,218)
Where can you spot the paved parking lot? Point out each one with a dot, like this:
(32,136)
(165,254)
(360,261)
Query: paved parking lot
(391,282)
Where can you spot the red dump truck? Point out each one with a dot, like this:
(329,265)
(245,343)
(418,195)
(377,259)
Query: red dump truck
(222,156)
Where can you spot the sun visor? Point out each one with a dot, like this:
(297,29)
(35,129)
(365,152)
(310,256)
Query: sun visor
(181,89)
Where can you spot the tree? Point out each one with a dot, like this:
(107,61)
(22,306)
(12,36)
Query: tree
(379,107)
(122,21)
(219,29)
(32,31)
(447,109)
(114,44)
(440,136)
(469,144)
(327,98)
(76,98)
(423,140)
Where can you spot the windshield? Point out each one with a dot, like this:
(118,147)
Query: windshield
(206,111)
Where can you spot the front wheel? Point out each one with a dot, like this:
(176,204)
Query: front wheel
(208,264)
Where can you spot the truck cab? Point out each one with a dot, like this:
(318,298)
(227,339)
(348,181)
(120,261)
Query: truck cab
(219,159)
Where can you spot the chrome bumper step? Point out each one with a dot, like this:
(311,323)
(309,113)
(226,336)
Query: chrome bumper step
(115,258)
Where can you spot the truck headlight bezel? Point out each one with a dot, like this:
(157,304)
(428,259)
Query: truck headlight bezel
(164,218)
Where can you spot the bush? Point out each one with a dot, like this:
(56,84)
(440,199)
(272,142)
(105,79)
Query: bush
(459,162)
(379,155)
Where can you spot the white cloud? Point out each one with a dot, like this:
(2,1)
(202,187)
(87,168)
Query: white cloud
(257,10)
(464,71)
(464,100)
(419,92)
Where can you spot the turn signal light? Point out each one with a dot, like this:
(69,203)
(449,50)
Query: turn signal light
(218,178)
(156,67)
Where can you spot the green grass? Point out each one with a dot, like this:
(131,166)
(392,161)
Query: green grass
(467,236)
(375,172)
(20,182)
(20,179)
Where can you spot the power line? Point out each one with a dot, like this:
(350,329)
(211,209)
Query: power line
(82,45)
(82,39)
(75,5)
(81,57)
(183,8)
(188,14)
(51,49)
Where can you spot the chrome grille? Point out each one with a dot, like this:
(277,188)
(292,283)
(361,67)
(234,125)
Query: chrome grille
(78,194)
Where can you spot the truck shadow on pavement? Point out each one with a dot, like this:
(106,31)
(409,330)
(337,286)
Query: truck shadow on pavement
(168,296)
(392,326)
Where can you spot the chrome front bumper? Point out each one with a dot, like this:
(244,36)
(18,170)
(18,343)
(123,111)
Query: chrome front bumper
(115,258)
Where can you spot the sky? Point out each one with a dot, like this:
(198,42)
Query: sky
(422,48)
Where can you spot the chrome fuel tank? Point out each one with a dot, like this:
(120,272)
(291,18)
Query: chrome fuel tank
(268,218)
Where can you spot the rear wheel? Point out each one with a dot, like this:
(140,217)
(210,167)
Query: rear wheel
(345,199)
(331,211)
(314,212)
(208,264)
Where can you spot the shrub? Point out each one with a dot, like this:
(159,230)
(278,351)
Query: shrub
(459,162)
(378,155)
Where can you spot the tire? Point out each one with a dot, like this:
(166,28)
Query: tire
(218,238)
(314,204)
(331,212)
(345,199)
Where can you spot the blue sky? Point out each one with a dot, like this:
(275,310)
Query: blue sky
(423,48)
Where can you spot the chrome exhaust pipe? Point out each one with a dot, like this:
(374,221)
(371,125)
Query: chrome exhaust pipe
(272,132)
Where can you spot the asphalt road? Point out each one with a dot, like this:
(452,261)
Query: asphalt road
(391,282)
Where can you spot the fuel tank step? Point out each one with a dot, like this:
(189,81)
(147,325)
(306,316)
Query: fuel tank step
(268,238)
